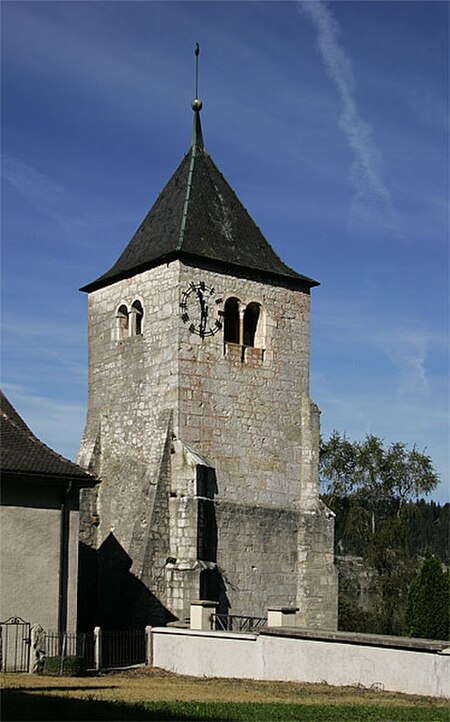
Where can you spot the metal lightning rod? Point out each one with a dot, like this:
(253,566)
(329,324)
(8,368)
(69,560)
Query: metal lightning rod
(197,53)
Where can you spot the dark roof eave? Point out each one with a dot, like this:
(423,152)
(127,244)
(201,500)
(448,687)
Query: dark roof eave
(108,280)
(294,281)
(82,481)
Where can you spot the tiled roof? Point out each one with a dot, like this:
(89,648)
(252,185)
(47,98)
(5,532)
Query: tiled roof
(198,216)
(22,452)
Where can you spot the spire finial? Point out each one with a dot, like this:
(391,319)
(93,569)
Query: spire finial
(197,137)
(196,103)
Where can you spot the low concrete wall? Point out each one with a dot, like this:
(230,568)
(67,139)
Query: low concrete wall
(409,666)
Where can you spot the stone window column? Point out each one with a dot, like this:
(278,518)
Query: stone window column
(241,325)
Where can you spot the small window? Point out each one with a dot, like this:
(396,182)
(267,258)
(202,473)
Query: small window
(231,321)
(122,326)
(251,319)
(137,315)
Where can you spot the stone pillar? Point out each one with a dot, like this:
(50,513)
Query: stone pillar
(282,616)
(97,648)
(201,611)
(149,646)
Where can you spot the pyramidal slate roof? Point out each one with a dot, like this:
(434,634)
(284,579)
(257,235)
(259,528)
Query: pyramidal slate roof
(21,452)
(199,219)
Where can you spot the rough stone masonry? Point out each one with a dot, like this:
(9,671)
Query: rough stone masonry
(200,425)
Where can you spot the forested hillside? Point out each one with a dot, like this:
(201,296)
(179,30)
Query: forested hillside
(427,524)
(377,572)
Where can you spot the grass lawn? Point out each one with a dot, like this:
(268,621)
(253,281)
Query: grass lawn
(152,694)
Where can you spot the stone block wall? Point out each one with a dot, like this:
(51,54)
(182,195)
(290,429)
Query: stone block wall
(257,556)
(317,580)
(247,416)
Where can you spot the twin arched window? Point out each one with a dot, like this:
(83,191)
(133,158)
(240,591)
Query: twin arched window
(243,324)
(129,320)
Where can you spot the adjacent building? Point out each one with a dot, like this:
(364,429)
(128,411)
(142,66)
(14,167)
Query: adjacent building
(38,527)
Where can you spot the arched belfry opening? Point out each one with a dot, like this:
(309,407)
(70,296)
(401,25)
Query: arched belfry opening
(137,313)
(231,321)
(252,316)
(122,323)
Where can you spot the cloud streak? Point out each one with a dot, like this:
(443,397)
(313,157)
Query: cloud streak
(408,351)
(30,182)
(372,201)
(411,349)
(56,347)
(40,191)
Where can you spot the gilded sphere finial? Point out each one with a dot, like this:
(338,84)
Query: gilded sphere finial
(197,104)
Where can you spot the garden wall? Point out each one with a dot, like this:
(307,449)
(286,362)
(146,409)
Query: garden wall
(340,659)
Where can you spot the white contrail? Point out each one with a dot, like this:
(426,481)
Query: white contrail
(371,191)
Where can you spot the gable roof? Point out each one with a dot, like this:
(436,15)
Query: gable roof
(198,218)
(21,452)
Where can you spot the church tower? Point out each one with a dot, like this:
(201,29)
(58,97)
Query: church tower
(200,425)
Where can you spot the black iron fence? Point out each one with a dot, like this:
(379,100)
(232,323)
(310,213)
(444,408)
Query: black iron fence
(237,623)
(68,644)
(123,648)
(100,649)
(23,648)
(15,642)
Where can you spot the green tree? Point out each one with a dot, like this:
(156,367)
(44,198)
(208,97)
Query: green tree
(379,480)
(369,486)
(428,605)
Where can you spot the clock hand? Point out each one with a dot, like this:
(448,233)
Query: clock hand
(203,319)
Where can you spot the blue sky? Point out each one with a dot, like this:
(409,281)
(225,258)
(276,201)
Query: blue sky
(330,121)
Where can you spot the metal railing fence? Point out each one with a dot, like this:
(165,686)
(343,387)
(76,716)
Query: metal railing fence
(237,623)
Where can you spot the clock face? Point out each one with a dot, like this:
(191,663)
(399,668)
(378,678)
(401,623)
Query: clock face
(201,309)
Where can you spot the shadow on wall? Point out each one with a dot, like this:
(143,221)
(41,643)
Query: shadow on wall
(212,585)
(110,596)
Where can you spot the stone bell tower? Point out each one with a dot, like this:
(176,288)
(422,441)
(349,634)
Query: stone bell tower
(200,425)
